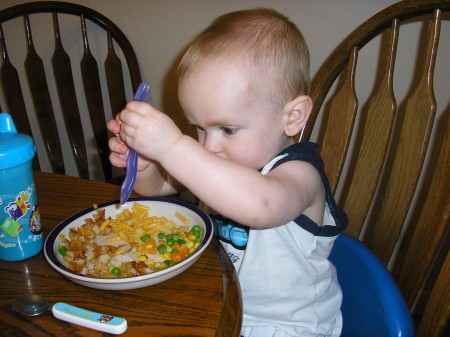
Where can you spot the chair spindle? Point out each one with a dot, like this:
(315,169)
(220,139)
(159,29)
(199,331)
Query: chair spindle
(94,99)
(34,68)
(429,226)
(114,76)
(334,146)
(68,101)
(415,128)
(372,142)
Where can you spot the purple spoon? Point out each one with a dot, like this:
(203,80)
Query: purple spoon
(132,157)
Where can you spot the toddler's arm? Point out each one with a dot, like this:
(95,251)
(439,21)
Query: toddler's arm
(234,190)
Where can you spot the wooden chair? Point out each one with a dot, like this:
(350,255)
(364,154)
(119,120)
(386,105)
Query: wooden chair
(389,164)
(60,97)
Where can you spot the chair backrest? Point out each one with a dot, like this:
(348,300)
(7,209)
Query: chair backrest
(75,95)
(389,164)
(372,304)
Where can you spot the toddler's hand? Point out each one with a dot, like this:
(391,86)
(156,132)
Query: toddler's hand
(118,149)
(148,131)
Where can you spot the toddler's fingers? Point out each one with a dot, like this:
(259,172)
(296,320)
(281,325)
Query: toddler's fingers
(127,132)
(113,126)
(136,106)
(117,160)
(130,119)
(115,144)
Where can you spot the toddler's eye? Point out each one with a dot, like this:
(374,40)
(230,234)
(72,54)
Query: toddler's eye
(229,131)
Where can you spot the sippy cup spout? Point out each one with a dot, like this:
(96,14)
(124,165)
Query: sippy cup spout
(6,123)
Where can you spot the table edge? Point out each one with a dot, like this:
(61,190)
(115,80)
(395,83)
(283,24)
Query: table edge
(230,320)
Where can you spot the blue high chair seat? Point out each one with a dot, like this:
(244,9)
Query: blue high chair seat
(372,304)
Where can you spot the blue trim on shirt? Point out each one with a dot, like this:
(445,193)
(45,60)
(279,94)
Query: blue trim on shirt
(236,234)
(307,152)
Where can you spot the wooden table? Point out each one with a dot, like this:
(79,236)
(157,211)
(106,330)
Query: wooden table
(205,300)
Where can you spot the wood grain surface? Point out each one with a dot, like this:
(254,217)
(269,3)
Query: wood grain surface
(205,300)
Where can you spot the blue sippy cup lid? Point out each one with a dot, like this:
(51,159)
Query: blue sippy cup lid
(15,148)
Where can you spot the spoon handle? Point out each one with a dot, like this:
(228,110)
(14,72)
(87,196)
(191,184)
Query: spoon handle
(89,319)
(132,157)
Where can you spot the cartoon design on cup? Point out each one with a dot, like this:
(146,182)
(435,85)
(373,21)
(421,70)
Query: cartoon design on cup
(16,210)
(19,207)
(35,221)
(11,227)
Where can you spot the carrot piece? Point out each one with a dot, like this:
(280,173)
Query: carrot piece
(176,257)
(184,250)
(150,246)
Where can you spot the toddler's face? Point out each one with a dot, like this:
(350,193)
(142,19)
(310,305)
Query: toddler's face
(233,118)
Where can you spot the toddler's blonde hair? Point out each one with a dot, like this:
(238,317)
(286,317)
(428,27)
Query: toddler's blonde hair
(267,43)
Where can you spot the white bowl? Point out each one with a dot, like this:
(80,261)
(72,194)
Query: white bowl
(159,207)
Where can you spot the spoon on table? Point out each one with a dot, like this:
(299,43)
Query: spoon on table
(132,157)
(34,305)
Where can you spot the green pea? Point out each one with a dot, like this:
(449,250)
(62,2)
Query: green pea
(197,229)
(198,236)
(175,237)
(170,242)
(145,237)
(175,251)
(162,248)
(161,236)
(62,250)
(170,263)
(181,242)
(115,271)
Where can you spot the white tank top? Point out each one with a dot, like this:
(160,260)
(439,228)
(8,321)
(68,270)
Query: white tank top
(286,279)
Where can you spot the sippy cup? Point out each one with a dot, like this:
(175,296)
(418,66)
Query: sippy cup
(20,224)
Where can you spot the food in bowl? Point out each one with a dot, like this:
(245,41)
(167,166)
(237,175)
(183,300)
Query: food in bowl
(132,243)
(183,214)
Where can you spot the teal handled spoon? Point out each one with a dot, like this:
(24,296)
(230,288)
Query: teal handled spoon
(34,305)
(132,157)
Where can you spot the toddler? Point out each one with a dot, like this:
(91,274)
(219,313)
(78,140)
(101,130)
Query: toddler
(243,85)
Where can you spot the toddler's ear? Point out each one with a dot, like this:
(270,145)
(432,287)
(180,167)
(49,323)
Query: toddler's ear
(297,114)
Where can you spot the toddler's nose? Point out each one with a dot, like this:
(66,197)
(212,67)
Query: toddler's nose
(212,145)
